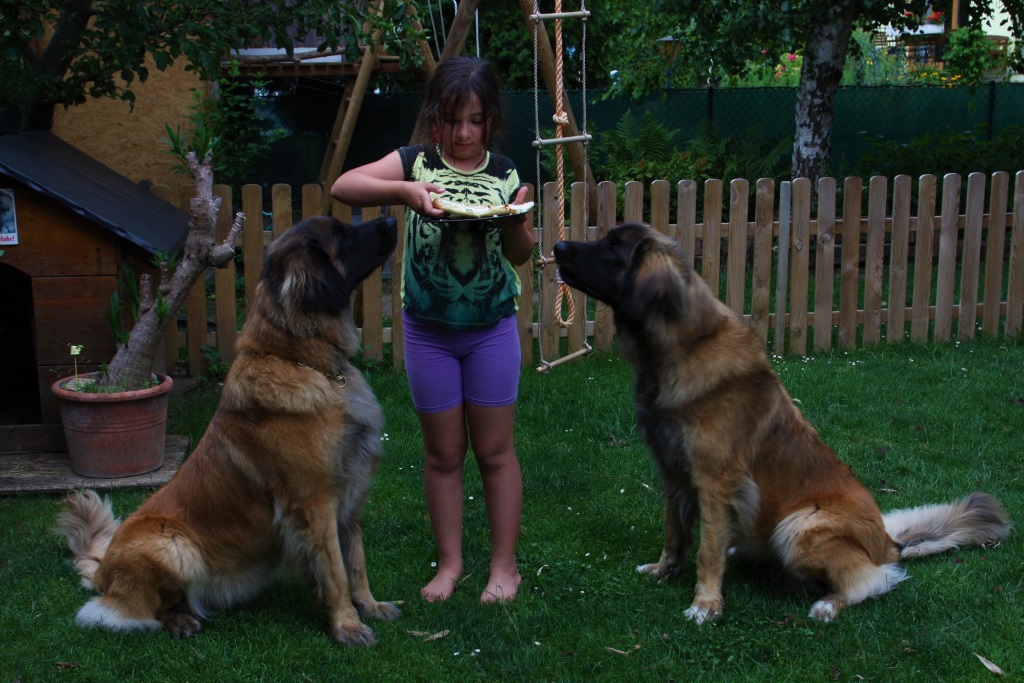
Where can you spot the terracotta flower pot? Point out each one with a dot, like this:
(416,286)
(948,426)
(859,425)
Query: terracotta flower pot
(114,434)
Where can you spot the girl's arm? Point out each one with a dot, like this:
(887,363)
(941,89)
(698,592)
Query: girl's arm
(517,237)
(383,182)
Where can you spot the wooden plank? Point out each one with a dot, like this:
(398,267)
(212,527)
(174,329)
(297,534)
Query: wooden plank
(50,472)
(849,268)
(370,299)
(67,311)
(824,264)
(252,240)
(995,252)
(735,281)
(312,204)
(43,438)
(195,333)
(633,198)
(782,268)
(764,227)
(874,256)
(686,217)
(1015,277)
(86,249)
(799,266)
(660,205)
(948,234)
(895,329)
(920,316)
(970,261)
(577,332)
(549,330)
(224,282)
(343,212)
(524,316)
(711,255)
(397,261)
(281,207)
(604,325)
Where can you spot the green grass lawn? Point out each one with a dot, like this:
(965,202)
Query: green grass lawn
(918,424)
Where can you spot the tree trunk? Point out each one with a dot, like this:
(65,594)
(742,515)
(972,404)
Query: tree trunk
(133,362)
(824,57)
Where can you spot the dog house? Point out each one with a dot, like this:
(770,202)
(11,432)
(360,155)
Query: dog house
(68,226)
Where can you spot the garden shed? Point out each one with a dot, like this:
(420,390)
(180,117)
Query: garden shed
(68,227)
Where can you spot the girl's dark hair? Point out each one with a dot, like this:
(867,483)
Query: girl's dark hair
(448,90)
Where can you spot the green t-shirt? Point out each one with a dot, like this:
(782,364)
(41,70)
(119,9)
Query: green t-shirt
(456,274)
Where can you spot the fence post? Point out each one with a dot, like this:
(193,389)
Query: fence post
(224,283)
(995,251)
(800,219)
(764,238)
(849,269)
(1015,284)
(874,255)
(926,189)
(970,261)
(947,257)
(825,264)
(604,325)
(782,268)
(895,328)
(735,281)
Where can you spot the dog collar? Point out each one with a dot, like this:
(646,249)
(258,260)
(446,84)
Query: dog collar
(339,378)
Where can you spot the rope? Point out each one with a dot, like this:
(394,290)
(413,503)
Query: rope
(563,294)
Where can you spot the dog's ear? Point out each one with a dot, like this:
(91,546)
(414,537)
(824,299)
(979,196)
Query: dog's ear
(326,288)
(659,280)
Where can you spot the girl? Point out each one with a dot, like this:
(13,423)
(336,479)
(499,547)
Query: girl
(459,300)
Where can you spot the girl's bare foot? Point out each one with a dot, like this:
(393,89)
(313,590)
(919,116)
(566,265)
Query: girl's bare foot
(441,587)
(501,588)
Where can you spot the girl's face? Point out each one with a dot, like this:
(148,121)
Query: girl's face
(464,134)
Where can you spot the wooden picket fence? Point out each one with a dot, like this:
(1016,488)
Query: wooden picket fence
(921,265)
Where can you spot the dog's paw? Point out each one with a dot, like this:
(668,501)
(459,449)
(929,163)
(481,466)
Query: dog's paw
(180,624)
(700,612)
(654,569)
(359,635)
(385,611)
(824,611)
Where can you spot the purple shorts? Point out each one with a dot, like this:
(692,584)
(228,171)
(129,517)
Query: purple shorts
(447,367)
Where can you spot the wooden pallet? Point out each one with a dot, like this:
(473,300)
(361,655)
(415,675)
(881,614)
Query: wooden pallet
(33,460)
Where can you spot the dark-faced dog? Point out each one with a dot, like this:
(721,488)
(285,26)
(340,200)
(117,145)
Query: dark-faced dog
(281,473)
(731,446)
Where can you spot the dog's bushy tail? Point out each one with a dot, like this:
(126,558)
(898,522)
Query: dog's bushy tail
(88,524)
(977,519)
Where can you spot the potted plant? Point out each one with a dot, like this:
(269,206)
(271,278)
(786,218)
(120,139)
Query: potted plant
(115,419)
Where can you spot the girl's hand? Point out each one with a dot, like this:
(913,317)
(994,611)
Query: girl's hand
(421,202)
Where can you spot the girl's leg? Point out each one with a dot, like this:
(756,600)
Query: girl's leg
(435,380)
(491,435)
(444,441)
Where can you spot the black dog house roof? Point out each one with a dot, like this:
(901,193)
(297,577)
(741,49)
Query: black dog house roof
(58,170)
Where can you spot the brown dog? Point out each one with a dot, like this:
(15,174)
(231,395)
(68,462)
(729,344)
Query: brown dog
(729,442)
(281,473)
